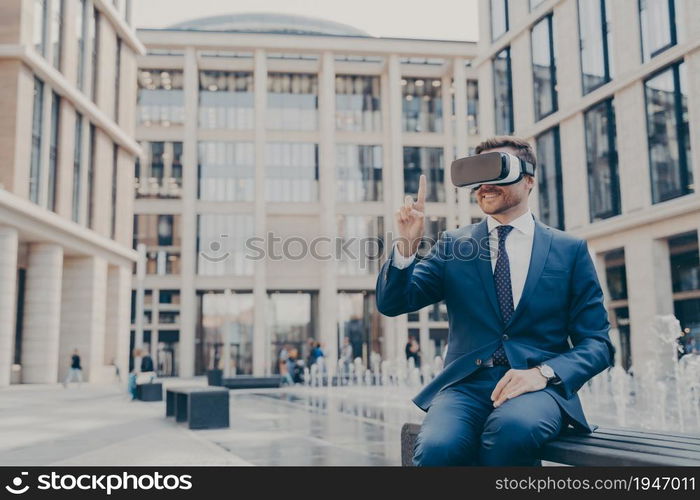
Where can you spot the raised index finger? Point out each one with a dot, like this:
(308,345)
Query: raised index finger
(420,204)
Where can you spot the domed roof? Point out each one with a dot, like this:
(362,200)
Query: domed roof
(286,24)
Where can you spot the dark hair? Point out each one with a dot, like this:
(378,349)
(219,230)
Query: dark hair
(523,148)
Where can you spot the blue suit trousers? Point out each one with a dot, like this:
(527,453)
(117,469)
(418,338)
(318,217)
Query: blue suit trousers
(463,428)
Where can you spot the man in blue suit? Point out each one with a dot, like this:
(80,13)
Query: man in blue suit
(527,325)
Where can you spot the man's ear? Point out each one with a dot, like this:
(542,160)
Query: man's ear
(531,179)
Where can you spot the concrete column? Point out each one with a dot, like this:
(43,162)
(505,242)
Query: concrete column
(83,308)
(42,314)
(117,318)
(8,292)
(397,335)
(649,290)
(262,363)
(460,90)
(328,294)
(188,256)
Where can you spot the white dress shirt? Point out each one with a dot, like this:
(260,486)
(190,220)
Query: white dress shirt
(518,247)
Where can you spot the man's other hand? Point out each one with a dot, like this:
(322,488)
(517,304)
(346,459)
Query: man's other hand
(517,382)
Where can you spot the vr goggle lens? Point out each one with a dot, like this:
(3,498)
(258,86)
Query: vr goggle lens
(489,168)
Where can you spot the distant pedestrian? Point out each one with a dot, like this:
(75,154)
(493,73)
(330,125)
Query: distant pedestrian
(413,351)
(346,354)
(75,370)
(147,367)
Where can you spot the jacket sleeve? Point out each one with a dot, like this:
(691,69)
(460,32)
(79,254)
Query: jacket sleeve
(400,291)
(587,327)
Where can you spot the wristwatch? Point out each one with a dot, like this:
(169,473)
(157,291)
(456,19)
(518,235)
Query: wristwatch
(547,372)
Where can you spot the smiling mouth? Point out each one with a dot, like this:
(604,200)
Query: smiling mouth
(490,196)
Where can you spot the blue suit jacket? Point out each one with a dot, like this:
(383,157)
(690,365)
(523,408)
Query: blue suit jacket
(560,318)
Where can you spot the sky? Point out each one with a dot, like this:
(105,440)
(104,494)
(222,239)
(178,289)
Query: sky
(428,19)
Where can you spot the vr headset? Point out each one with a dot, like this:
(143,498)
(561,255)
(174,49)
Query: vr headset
(489,168)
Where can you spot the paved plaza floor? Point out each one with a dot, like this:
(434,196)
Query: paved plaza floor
(99,425)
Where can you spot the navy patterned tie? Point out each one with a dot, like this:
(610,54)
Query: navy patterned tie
(504,290)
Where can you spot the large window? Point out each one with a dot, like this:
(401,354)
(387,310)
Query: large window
(363,237)
(499,18)
(685,275)
(668,133)
(422,105)
(53,149)
(503,93)
(549,178)
(37,124)
(595,41)
(221,244)
(601,157)
(161,99)
(360,322)
(359,172)
(56,32)
(225,333)
(618,306)
(226,171)
(292,171)
(162,236)
(95,28)
(91,175)
(434,227)
(226,100)
(661,24)
(473,107)
(77,168)
(292,101)
(292,322)
(81,36)
(544,67)
(40,26)
(357,103)
(428,161)
(159,172)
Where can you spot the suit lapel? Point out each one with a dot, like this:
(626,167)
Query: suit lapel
(540,250)
(483,264)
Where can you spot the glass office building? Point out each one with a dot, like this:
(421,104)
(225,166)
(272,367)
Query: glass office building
(615,121)
(298,129)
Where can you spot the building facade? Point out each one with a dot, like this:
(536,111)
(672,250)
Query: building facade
(297,136)
(68,73)
(606,92)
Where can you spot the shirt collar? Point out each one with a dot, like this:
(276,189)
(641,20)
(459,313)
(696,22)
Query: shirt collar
(525,223)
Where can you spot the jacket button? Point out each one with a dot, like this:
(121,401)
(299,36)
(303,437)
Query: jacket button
(478,361)
(505,337)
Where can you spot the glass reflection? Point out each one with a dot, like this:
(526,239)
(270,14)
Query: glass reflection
(544,69)
(685,262)
(226,100)
(292,101)
(161,98)
(596,43)
(291,171)
(499,18)
(422,105)
(221,244)
(428,161)
(357,103)
(292,322)
(657,19)
(159,173)
(549,178)
(363,237)
(360,322)
(225,333)
(359,172)
(503,92)
(226,171)
(668,134)
(162,236)
(601,157)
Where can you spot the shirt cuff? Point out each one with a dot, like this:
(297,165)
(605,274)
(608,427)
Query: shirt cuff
(399,261)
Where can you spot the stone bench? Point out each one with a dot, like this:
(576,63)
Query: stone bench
(606,446)
(200,407)
(149,392)
(252,382)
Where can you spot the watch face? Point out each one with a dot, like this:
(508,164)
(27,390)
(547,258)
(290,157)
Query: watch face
(547,371)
